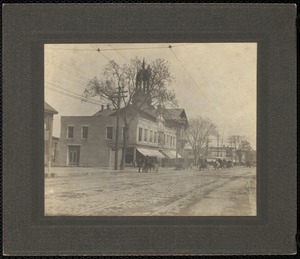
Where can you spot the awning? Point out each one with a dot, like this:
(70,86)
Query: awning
(174,154)
(150,152)
(171,154)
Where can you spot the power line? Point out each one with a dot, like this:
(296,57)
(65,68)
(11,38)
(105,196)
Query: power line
(119,53)
(74,68)
(170,47)
(69,95)
(76,94)
(99,51)
(121,49)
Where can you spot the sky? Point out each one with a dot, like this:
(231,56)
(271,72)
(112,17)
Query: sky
(214,80)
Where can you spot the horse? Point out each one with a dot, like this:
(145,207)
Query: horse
(216,165)
(203,165)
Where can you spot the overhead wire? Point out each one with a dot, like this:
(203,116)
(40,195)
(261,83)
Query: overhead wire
(69,95)
(121,49)
(76,94)
(194,81)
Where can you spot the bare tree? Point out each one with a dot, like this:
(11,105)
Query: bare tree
(117,76)
(198,132)
(241,146)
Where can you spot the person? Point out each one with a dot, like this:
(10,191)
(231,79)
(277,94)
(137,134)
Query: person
(156,165)
(140,164)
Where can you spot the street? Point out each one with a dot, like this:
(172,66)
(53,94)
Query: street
(76,191)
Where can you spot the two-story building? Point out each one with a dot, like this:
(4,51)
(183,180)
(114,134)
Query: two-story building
(90,140)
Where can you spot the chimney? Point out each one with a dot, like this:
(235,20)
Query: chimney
(102,107)
(107,106)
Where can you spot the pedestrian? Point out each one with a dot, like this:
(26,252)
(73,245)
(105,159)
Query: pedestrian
(140,164)
(156,165)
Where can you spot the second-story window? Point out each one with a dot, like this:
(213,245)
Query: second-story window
(84,132)
(140,134)
(145,135)
(70,132)
(124,133)
(155,137)
(109,132)
(151,135)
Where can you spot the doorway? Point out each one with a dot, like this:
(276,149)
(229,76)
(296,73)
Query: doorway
(74,155)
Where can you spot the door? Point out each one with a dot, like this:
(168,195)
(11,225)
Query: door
(74,155)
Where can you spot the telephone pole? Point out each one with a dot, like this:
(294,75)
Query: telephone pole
(119,96)
(207,142)
(117,128)
(218,137)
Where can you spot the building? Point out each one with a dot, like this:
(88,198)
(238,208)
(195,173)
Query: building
(223,152)
(48,128)
(54,151)
(90,140)
(147,131)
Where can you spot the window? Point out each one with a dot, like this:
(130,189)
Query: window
(155,137)
(164,139)
(123,133)
(109,132)
(70,133)
(151,135)
(140,134)
(84,132)
(145,135)
(167,139)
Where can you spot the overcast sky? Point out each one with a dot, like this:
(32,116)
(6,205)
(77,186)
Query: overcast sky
(216,80)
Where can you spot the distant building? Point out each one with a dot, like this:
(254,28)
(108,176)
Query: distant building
(223,152)
(48,128)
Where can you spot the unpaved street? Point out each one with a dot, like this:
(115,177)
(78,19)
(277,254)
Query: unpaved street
(99,192)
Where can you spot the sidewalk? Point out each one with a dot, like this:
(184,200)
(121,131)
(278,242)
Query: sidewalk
(80,171)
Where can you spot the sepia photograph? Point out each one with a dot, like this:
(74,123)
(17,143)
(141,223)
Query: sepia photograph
(150,129)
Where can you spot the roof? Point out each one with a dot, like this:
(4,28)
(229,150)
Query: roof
(49,109)
(173,114)
(105,112)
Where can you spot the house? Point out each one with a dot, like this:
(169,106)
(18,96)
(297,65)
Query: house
(49,112)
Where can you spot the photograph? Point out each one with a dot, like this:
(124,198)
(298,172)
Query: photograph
(150,129)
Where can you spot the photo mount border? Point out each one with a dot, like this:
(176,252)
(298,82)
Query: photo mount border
(28,232)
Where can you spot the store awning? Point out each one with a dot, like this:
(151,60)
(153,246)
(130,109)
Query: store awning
(150,152)
(171,154)
(174,154)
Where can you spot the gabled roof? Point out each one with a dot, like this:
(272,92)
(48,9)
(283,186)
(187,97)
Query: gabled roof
(49,109)
(174,114)
(105,112)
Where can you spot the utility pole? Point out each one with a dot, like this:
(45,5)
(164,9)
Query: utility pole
(218,137)
(117,124)
(117,128)
(207,142)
